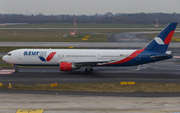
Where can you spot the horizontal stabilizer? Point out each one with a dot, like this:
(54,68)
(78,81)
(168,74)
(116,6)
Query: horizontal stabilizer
(160,56)
(168,52)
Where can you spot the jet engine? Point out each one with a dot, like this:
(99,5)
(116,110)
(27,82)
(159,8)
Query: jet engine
(66,66)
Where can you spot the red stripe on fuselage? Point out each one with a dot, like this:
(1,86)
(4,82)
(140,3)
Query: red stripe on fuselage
(133,55)
(50,56)
(168,38)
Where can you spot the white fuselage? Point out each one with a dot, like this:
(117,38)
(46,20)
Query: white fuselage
(32,56)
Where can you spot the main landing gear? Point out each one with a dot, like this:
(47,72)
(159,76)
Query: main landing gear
(16,68)
(88,69)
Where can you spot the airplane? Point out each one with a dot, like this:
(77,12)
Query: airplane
(71,59)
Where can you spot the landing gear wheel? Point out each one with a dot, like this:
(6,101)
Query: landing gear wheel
(91,70)
(88,71)
(16,70)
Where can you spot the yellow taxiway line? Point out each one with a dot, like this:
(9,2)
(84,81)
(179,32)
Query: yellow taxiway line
(30,111)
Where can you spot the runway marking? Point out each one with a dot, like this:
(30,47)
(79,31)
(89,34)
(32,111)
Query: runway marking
(7,71)
(133,39)
(42,72)
(30,111)
(138,67)
(130,39)
(176,56)
(161,67)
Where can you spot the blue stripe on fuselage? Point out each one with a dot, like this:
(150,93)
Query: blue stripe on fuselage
(142,58)
(42,58)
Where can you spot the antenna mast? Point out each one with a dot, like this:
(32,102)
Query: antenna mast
(75,27)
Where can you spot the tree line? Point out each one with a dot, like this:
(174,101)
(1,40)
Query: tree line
(109,18)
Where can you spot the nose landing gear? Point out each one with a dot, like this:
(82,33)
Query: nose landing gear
(16,68)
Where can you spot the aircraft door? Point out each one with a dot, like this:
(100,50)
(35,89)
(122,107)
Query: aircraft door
(98,56)
(19,55)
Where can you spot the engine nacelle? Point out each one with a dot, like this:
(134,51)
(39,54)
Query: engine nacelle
(66,66)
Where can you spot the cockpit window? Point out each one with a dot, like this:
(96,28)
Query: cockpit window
(9,54)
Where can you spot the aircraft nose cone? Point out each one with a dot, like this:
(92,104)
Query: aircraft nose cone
(4,58)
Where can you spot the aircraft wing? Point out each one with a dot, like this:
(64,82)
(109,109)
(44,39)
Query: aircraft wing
(87,62)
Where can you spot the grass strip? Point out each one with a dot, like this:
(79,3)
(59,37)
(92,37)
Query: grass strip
(42,36)
(82,25)
(101,87)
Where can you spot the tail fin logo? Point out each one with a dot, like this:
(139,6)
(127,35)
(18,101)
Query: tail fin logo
(159,41)
(49,58)
(167,39)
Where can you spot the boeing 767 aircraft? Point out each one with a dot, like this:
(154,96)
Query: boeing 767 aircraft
(70,59)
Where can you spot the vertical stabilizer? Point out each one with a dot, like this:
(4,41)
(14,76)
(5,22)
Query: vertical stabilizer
(161,42)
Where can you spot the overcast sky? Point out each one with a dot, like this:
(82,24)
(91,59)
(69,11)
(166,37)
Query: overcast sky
(88,7)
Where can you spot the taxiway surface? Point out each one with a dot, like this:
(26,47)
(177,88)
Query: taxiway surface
(56,103)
